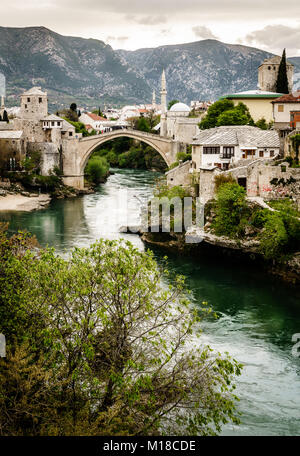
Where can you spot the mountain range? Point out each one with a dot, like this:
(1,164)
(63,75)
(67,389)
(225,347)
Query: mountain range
(91,73)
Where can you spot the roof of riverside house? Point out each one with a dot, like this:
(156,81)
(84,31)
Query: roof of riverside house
(94,116)
(289,98)
(238,135)
(52,118)
(67,126)
(252,94)
(35,91)
(11,134)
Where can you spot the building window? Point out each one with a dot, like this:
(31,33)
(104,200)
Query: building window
(28,100)
(26,106)
(40,100)
(261,153)
(58,124)
(211,150)
(228,152)
(269,68)
(52,124)
(280,108)
(272,153)
(70,133)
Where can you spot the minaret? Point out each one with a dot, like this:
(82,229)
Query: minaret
(163,117)
(154,99)
(163,93)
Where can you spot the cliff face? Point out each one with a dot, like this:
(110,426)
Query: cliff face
(91,72)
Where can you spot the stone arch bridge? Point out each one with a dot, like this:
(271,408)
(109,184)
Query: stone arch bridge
(77,152)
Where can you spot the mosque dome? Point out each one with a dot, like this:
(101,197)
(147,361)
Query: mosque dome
(180,107)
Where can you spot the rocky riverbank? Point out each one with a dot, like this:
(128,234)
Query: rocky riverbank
(18,202)
(197,242)
(14,196)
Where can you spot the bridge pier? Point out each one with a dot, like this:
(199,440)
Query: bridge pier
(74,181)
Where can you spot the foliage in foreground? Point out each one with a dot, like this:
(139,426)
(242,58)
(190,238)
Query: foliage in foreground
(278,232)
(103,348)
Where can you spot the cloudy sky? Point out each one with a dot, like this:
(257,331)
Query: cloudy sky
(132,24)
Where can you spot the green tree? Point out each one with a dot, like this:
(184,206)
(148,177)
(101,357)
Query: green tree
(143,124)
(282,85)
(214,111)
(224,112)
(231,210)
(114,353)
(171,103)
(262,124)
(97,169)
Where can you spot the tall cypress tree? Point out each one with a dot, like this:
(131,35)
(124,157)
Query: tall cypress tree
(282,84)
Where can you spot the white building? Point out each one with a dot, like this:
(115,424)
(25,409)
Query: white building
(223,147)
(95,121)
(283,109)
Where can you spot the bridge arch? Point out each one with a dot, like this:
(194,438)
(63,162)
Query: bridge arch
(88,145)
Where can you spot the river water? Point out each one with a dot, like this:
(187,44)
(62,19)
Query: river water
(258,315)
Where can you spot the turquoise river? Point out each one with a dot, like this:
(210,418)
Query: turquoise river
(258,315)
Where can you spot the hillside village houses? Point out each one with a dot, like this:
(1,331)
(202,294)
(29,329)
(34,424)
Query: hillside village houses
(247,152)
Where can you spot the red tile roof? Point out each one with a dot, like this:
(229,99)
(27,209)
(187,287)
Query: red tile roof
(288,98)
(88,126)
(143,111)
(95,116)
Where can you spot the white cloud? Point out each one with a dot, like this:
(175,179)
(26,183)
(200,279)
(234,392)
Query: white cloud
(276,37)
(147,20)
(142,22)
(203,32)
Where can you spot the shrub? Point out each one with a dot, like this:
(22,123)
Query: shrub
(173,165)
(96,169)
(183,156)
(231,210)
(274,236)
(222,179)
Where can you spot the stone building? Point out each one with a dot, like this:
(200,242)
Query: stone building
(34,130)
(268,73)
(225,147)
(34,104)
(12,149)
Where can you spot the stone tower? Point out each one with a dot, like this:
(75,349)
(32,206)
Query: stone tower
(268,72)
(34,105)
(163,93)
